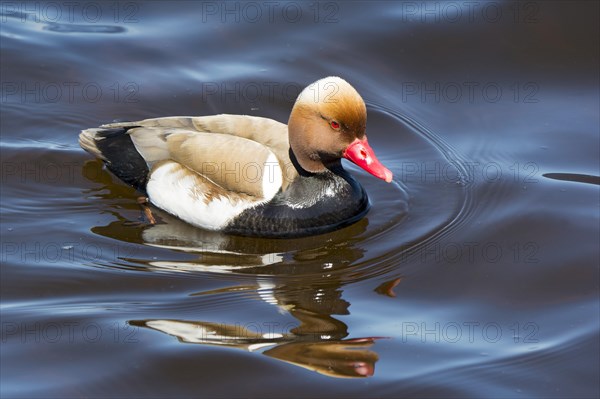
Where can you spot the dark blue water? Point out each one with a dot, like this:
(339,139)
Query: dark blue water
(475,274)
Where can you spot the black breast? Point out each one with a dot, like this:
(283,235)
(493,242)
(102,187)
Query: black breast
(312,204)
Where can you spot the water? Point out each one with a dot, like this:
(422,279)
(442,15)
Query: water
(474,274)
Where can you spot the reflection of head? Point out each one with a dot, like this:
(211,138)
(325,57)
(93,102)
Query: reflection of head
(342,359)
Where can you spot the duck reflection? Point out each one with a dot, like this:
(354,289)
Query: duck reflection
(318,343)
(215,252)
(343,359)
(302,277)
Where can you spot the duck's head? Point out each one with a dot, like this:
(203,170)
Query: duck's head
(328,122)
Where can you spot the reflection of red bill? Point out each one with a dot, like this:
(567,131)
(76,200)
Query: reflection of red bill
(366,339)
(361,153)
(364,369)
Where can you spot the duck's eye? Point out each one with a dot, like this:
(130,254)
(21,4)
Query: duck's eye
(335,125)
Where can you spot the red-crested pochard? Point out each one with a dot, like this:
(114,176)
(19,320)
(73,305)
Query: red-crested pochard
(249,175)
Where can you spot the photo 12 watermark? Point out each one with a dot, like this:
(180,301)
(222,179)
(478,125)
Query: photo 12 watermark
(249,92)
(267,92)
(271,12)
(452,332)
(68,332)
(71,92)
(477,252)
(63,252)
(470,92)
(91,12)
(451,12)
(471,171)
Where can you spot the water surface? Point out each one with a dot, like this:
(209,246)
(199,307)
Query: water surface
(474,274)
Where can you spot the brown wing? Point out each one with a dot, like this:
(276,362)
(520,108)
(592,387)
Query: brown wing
(234,150)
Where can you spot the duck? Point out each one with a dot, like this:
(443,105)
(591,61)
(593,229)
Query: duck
(249,175)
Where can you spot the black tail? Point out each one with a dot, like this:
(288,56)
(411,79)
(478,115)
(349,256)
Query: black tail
(116,149)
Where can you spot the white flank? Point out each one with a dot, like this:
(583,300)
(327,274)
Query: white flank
(179,196)
(189,332)
(200,334)
(182,196)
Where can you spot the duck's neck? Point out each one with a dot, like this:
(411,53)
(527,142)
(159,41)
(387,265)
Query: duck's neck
(317,167)
(304,160)
(301,135)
